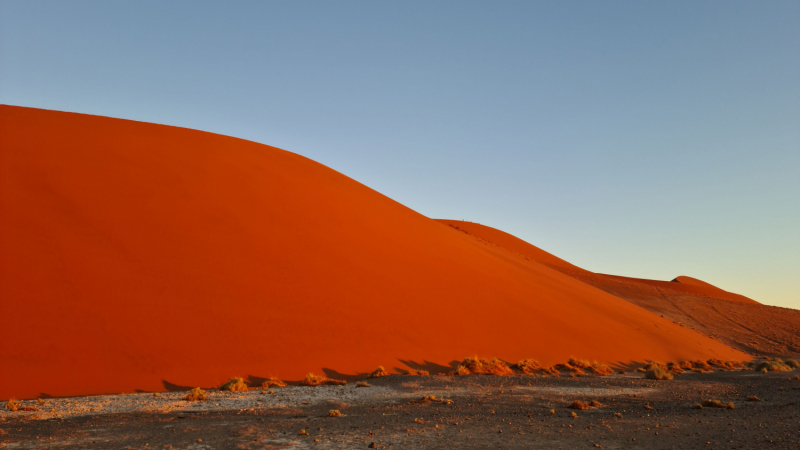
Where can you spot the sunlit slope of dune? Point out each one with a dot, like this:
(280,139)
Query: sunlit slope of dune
(135,255)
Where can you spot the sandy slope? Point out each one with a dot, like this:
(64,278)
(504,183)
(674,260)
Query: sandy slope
(733,319)
(136,256)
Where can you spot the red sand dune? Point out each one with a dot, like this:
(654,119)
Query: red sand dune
(135,255)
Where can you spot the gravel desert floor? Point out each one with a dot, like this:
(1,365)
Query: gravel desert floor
(476,411)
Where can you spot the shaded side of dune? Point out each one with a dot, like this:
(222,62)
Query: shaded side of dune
(733,319)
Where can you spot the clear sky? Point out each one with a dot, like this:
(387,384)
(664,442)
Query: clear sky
(646,139)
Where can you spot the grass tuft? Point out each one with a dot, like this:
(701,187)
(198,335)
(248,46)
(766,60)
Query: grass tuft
(592,367)
(658,373)
(528,366)
(379,372)
(235,384)
(477,365)
(362,384)
(319,380)
(418,373)
(776,365)
(334,413)
(196,395)
(272,382)
(12,405)
(577,404)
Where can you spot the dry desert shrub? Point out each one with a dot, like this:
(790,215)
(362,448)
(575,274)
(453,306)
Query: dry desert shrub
(235,384)
(418,373)
(577,404)
(379,372)
(477,365)
(579,363)
(792,363)
(701,366)
(595,404)
(600,369)
(334,413)
(528,366)
(658,373)
(196,395)
(532,367)
(776,365)
(12,405)
(567,367)
(40,401)
(593,367)
(362,384)
(674,368)
(725,365)
(718,404)
(319,380)
(272,382)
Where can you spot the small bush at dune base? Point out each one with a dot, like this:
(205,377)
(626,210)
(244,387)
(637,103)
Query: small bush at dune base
(528,366)
(235,384)
(532,367)
(418,373)
(12,405)
(674,368)
(318,380)
(477,365)
(577,404)
(658,373)
(362,384)
(593,367)
(600,369)
(272,382)
(196,395)
(776,365)
(792,363)
(567,367)
(379,372)
(725,365)
(334,413)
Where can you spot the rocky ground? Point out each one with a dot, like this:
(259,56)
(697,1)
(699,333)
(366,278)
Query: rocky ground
(479,412)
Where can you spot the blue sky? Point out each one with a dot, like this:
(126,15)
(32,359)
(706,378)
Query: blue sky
(647,139)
